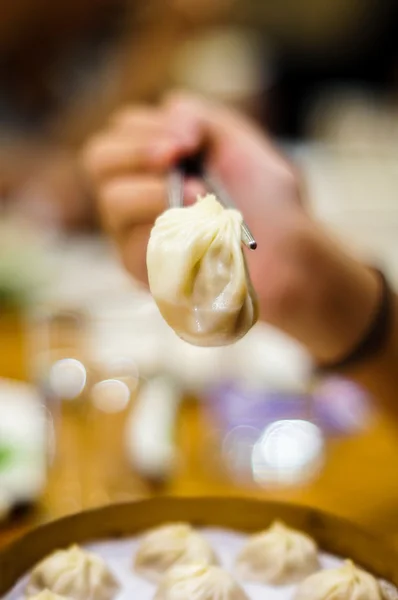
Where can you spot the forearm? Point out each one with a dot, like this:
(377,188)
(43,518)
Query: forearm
(379,374)
(335,307)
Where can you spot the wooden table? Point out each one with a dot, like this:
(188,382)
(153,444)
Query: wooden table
(359,481)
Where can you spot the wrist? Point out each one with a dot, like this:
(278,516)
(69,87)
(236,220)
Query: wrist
(336,299)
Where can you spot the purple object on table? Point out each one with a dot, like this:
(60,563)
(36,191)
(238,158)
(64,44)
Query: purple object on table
(338,406)
(265,437)
(341,407)
(277,437)
(232,405)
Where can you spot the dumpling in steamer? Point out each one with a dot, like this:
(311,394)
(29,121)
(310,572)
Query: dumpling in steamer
(73,573)
(388,590)
(199,582)
(344,583)
(198,276)
(171,545)
(278,556)
(46,595)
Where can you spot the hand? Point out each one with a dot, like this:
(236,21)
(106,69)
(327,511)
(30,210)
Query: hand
(129,161)
(299,275)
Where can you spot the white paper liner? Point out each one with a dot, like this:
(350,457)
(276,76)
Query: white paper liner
(119,554)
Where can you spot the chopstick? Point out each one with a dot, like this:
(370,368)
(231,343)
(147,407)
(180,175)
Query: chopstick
(218,189)
(194,166)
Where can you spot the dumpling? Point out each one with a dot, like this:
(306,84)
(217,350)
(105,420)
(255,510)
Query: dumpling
(199,582)
(344,583)
(74,573)
(388,590)
(171,545)
(198,276)
(278,556)
(46,595)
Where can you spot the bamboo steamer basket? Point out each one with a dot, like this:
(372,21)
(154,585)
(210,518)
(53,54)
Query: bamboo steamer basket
(333,534)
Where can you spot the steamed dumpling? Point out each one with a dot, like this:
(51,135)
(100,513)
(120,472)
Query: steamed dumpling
(199,582)
(198,276)
(46,595)
(278,556)
(388,590)
(344,583)
(171,545)
(73,573)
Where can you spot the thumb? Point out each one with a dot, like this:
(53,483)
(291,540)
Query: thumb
(187,115)
(197,112)
(240,151)
(229,136)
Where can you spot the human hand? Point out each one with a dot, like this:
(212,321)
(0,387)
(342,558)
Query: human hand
(297,272)
(129,161)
